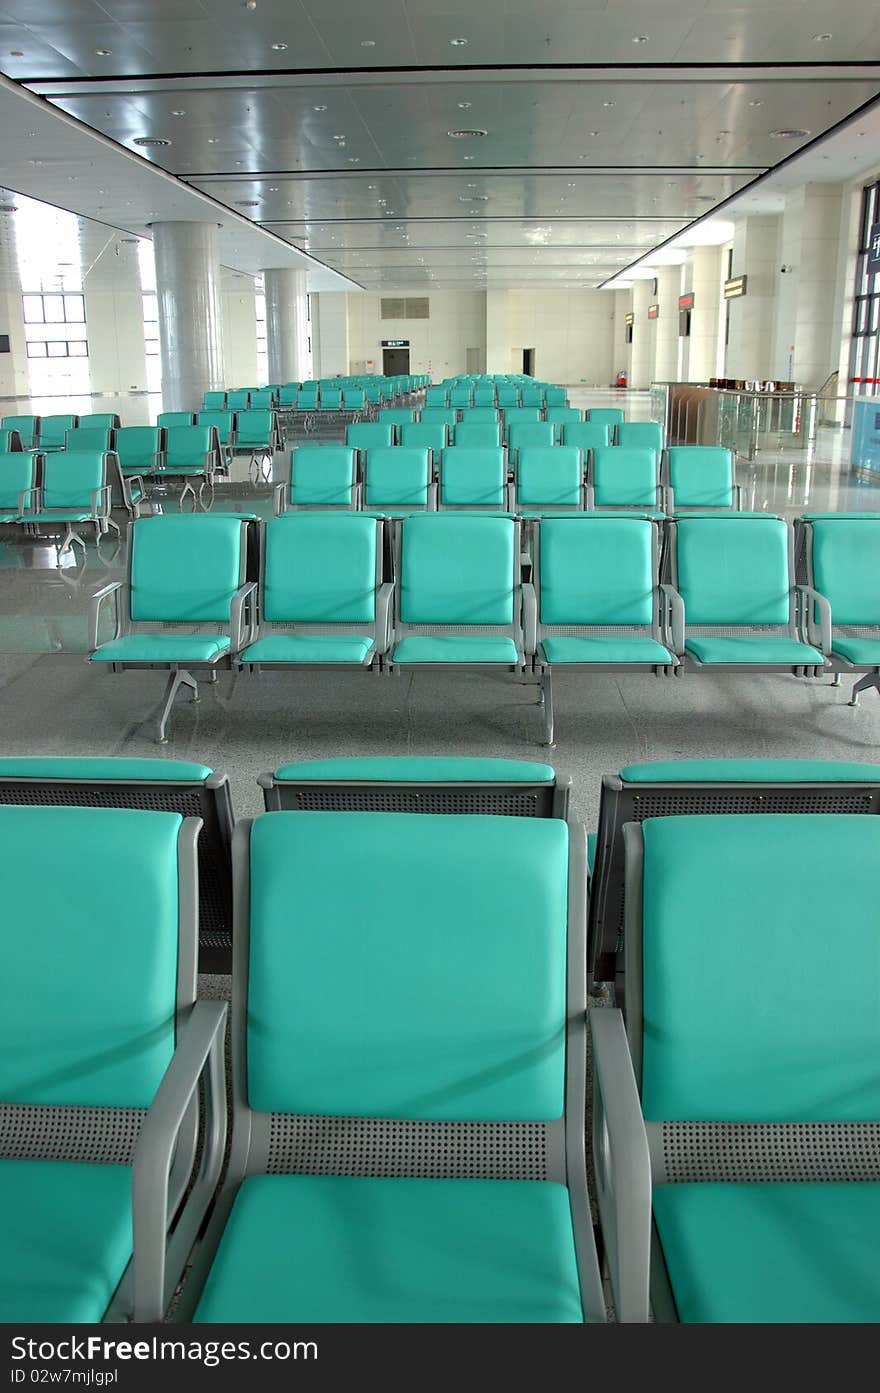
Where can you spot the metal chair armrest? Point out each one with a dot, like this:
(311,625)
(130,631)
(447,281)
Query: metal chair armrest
(279,498)
(673,618)
(241,616)
(114,587)
(530,617)
(24,500)
(810,598)
(383,616)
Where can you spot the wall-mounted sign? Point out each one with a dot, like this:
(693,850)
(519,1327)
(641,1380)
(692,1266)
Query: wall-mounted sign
(4,343)
(395,343)
(629,319)
(653,311)
(686,302)
(874,250)
(735,287)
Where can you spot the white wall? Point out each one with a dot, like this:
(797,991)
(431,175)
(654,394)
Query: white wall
(571,331)
(239,332)
(13,365)
(438,345)
(115,325)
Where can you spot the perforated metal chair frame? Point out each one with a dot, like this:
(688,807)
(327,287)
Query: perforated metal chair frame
(506,799)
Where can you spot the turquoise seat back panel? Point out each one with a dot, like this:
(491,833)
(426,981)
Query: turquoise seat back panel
(215,401)
(261,400)
(187,446)
(65,1236)
(549,475)
(800,1254)
(53,430)
(10,442)
(52,767)
(185,568)
(99,420)
(605,415)
(532,433)
(322,475)
(25,425)
(169,419)
(320,568)
(70,478)
(710,1054)
(353,1014)
(624,476)
(597,571)
(473,477)
(136,447)
(330,399)
(748,771)
(398,476)
(474,434)
(480,415)
(396,416)
(733,570)
(222,421)
(457,570)
(238,400)
(364,435)
(90,980)
(845,569)
(640,433)
(407,769)
(701,476)
(521,415)
(395,1251)
(17,473)
(424,435)
(438,416)
(586,435)
(88,438)
(562,415)
(254,426)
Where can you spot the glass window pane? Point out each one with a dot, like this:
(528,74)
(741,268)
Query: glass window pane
(35,349)
(32,306)
(151,309)
(53,309)
(151,348)
(78,348)
(58,349)
(74,309)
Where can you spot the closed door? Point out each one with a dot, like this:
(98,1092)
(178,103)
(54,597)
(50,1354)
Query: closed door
(395,362)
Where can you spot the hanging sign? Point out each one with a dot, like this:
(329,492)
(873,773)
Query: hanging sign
(686,302)
(735,287)
(395,343)
(653,311)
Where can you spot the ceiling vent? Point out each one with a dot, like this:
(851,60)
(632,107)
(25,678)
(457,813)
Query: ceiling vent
(466,134)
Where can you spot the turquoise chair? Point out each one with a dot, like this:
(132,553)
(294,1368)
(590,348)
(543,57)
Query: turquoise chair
(10,441)
(642,434)
(605,415)
(168,785)
(214,401)
(736,1141)
(557,397)
(19,472)
(183,571)
(353,398)
(460,397)
(373,394)
(532,396)
(436,396)
(548,479)
(398,479)
(330,399)
(562,416)
(586,435)
(698,476)
(106,1054)
(594,603)
(74,490)
(224,424)
(474,478)
(89,438)
(442,1213)
(671,787)
(841,601)
(403,784)
(731,602)
(166,419)
(307,399)
(480,415)
(530,433)
(53,430)
(624,477)
(424,435)
(239,400)
(288,394)
(192,453)
(520,416)
(477,435)
(140,450)
(363,435)
(321,476)
(484,396)
(262,400)
(256,435)
(396,416)
(508,397)
(100,420)
(27,428)
(322,600)
(438,416)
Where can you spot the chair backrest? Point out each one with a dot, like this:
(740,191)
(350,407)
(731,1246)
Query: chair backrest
(70,478)
(91,994)
(508,397)
(473,477)
(844,567)
(424,434)
(238,400)
(353,397)
(624,476)
(495,1052)
(331,398)
(438,416)
(18,471)
(587,435)
(596,570)
(437,396)
(396,416)
(734,570)
(214,401)
(460,396)
(708,1053)
(188,447)
(222,421)
(28,428)
(322,476)
(563,415)
(476,433)
(532,396)
(647,433)
(397,476)
(484,396)
(136,446)
(288,394)
(530,433)
(53,430)
(457,570)
(605,415)
(557,396)
(185,567)
(363,435)
(10,441)
(320,568)
(307,398)
(99,420)
(700,476)
(520,415)
(89,438)
(550,476)
(473,415)
(167,419)
(262,400)
(256,426)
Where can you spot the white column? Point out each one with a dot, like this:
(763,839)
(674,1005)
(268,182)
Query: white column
(809,310)
(497,331)
(190,319)
(287,324)
(702,346)
(643,335)
(666,325)
(750,352)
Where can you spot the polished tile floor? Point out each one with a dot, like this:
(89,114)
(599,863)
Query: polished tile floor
(53,702)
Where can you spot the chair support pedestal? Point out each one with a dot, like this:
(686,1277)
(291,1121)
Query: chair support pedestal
(864,684)
(545,699)
(176,680)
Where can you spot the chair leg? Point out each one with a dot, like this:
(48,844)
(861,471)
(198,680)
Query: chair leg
(176,680)
(188,489)
(864,684)
(835,681)
(547,703)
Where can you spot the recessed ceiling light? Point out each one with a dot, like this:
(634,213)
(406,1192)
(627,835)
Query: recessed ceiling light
(178,113)
(279,48)
(273,188)
(792,134)
(466,133)
(319,108)
(640,38)
(339,137)
(469,157)
(458,43)
(213,139)
(246,203)
(150,140)
(607,103)
(368,43)
(757,102)
(103,52)
(353,159)
(16,53)
(822,38)
(463,106)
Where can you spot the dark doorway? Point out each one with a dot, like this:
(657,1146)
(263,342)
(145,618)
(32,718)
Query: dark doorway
(528,366)
(395,362)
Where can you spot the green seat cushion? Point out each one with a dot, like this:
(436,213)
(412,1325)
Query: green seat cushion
(404,769)
(52,767)
(308,648)
(334,1249)
(65,1239)
(750,771)
(864,652)
(60,516)
(605,650)
(163,648)
(455,648)
(786,652)
(799,1253)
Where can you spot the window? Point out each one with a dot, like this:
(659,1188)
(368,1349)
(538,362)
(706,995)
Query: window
(53,309)
(864,353)
(57,348)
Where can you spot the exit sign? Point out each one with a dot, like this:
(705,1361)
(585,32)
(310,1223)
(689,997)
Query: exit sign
(395,343)
(735,287)
(686,302)
(653,311)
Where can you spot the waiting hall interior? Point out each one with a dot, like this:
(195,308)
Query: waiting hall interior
(439,662)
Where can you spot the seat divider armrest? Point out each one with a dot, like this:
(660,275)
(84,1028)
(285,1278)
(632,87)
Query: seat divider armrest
(242,628)
(95,603)
(673,618)
(810,597)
